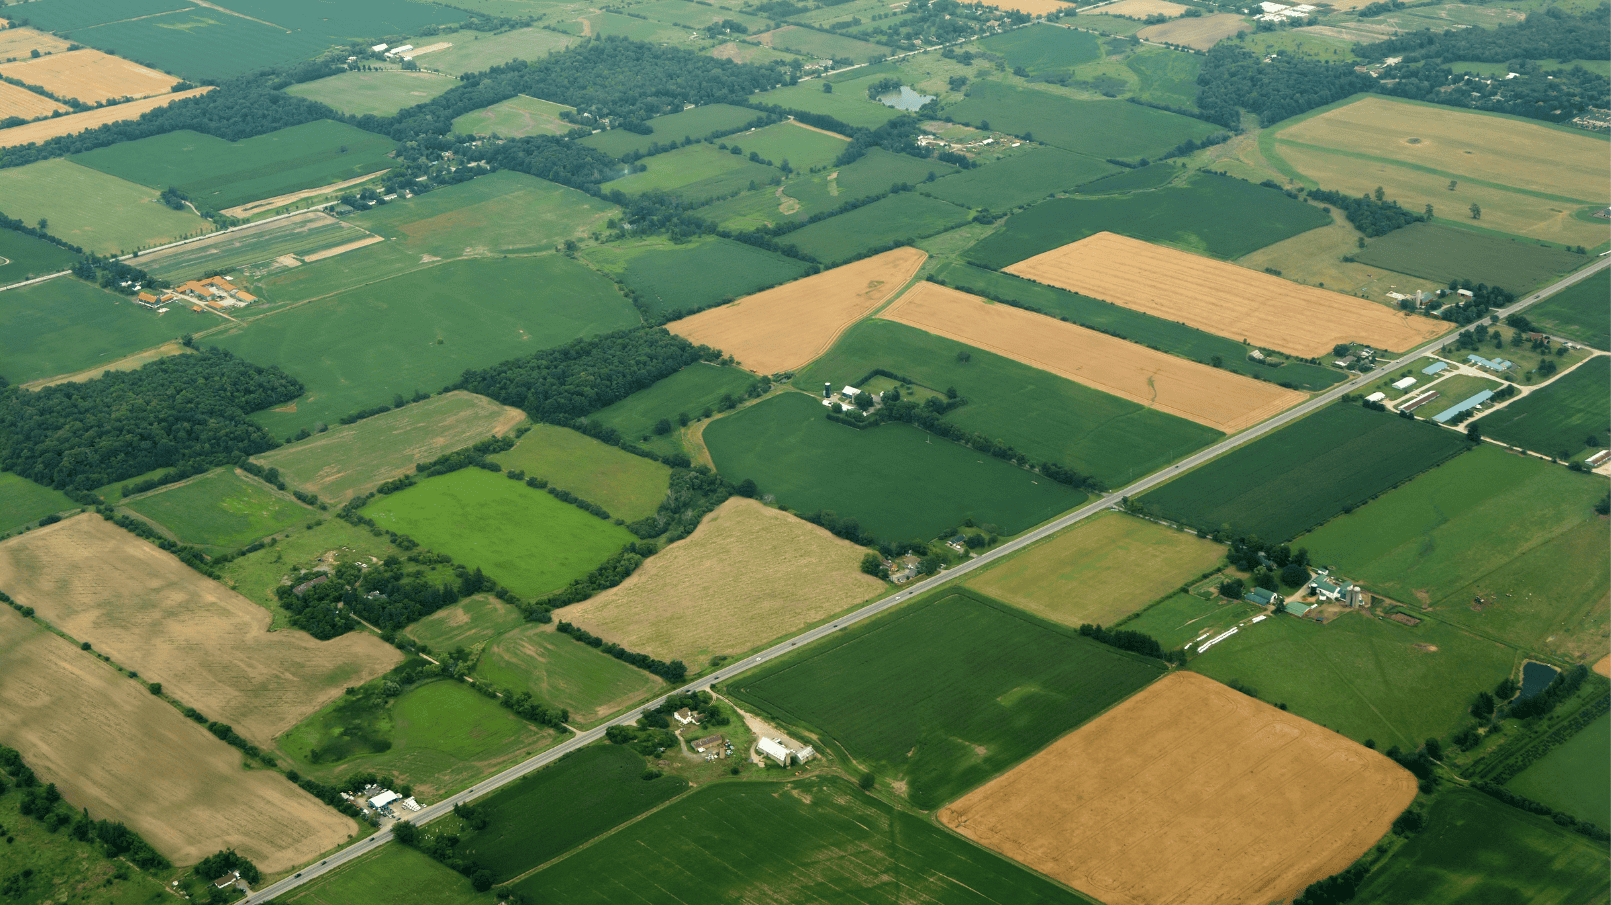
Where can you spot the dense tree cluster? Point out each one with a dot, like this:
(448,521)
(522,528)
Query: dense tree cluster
(673,672)
(1335,889)
(175,410)
(1372,216)
(389,596)
(44,803)
(227,861)
(700,703)
(1233,80)
(1135,642)
(1551,34)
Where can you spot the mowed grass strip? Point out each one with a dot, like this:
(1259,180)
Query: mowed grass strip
(222,510)
(1304,474)
(629,487)
(516,117)
(381,93)
(800,147)
(564,672)
(393,874)
(898,219)
(673,280)
(1578,312)
(1558,419)
(22,501)
(522,538)
(1101,129)
(1440,253)
(91,209)
(1016,181)
(501,212)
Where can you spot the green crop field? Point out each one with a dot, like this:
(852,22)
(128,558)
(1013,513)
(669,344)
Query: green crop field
(1135,326)
(1166,76)
(63,326)
(629,487)
(696,15)
(805,196)
(468,624)
(220,510)
(946,692)
(1137,180)
(596,789)
(1363,676)
(421,330)
(1044,49)
(516,117)
(556,668)
(673,129)
(613,25)
(1189,216)
(1020,180)
(219,174)
(96,211)
(22,257)
(474,51)
(1102,129)
(197,43)
(502,212)
(1558,419)
(1476,849)
(357,267)
(1442,253)
(1302,475)
(688,392)
(522,538)
(696,173)
(391,875)
(1046,417)
(257,244)
(1517,532)
(897,481)
(1575,776)
(898,219)
(1578,312)
(1182,618)
(380,93)
(22,501)
(802,148)
(822,46)
(674,280)
(849,108)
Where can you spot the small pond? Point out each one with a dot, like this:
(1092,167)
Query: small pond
(1536,677)
(905,99)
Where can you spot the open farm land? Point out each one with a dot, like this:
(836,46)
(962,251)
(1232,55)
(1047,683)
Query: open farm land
(802,148)
(1046,48)
(65,325)
(1175,794)
(675,280)
(564,672)
(516,117)
(748,574)
(944,693)
(1515,533)
(786,327)
(896,481)
(352,459)
(101,213)
(18,41)
(695,15)
(469,624)
(695,173)
(196,42)
(1100,571)
(1576,312)
(1304,474)
(24,104)
(1478,849)
(723,840)
(473,51)
(89,76)
(501,212)
(629,487)
(1218,399)
(690,392)
(616,25)
(522,538)
(807,195)
(73,123)
(1100,128)
(1183,618)
(381,93)
(23,257)
(1440,253)
(1575,776)
(1221,298)
(153,614)
(221,510)
(1019,180)
(854,110)
(269,246)
(421,330)
(673,129)
(821,45)
(1557,419)
(900,218)
(219,174)
(1140,179)
(393,874)
(1199,33)
(22,501)
(1039,413)
(1189,215)
(127,755)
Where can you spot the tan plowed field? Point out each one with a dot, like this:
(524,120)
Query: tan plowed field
(1201,32)
(1220,399)
(208,646)
(129,756)
(1189,793)
(21,102)
(1222,298)
(73,123)
(784,328)
(89,76)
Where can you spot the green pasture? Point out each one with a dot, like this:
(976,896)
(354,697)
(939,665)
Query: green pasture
(1363,676)
(522,538)
(218,174)
(23,257)
(821,45)
(1575,776)
(896,220)
(1304,474)
(897,481)
(500,212)
(1100,128)
(52,866)
(690,392)
(947,692)
(1558,419)
(849,108)
(358,267)
(556,668)
(257,244)
(1578,312)
(390,875)
(1139,179)
(220,510)
(380,93)
(1166,76)
(697,15)
(1135,326)
(22,501)
(64,325)
(1442,253)
(613,25)
(516,117)
(1189,215)
(1017,181)
(419,331)
(197,43)
(474,51)
(1044,49)
(675,279)
(873,173)
(801,148)
(673,129)
(468,624)
(91,209)
(351,19)
(1476,850)
(1182,618)
(629,487)
(696,173)
(1046,417)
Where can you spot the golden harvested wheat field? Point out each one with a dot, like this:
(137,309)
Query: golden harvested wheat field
(784,328)
(74,123)
(208,646)
(748,574)
(1224,299)
(1200,33)
(16,43)
(127,755)
(21,102)
(1220,399)
(89,76)
(1189,793)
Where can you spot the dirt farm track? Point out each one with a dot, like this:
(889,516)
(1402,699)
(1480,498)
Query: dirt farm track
(1190,793)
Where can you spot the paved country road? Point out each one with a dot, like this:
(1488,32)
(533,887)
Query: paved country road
(873,609)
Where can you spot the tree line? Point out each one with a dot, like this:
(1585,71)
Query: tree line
(1372,215)
(43,802)
(674,672)
(1232,80)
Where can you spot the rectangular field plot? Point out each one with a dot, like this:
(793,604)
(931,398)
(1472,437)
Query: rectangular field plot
(502,212)
(73,123)
(198,43)
(64,325)
(129,756)
(1017,181)
(1558,418)
(612,25)
(18,41)
(381,93)
(1441,253)
(696,173)
(1232,301)
(894,693)
(23,257)
(516,117)
(723,842)
(221,510)
(689,392)
(258,247)
(563,672)
(675,280)
(777,574)
(790,142)
(630,487)
(24,104)
(672,130)
(1102,129)
(1044,48)
(1577,312)
(392,875)
(101,213)
(805,196)
(898,219)
(1575,776)
(1304,474)
(821,45)
(1173,795)
(469,624)
(522,538)
(851,109)
(89,76)
(22,501)
(477,51)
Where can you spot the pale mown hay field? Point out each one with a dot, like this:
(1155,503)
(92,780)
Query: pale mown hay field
(21,102)
(89,76)
(74,123)
(17,43)
(1140,9)
(1189,793)
(1200,33)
